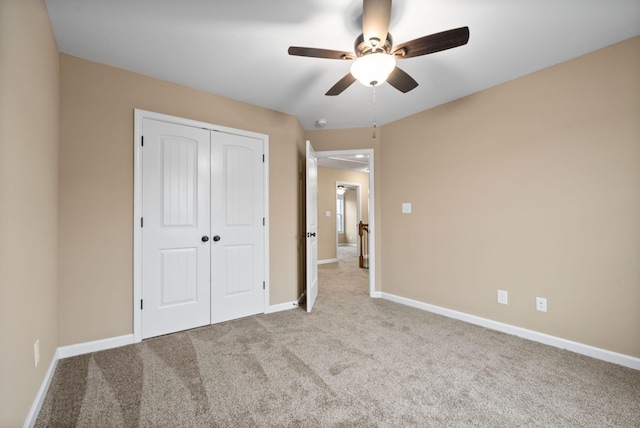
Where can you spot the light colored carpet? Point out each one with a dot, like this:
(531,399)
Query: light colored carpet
(353,362)
(348,252)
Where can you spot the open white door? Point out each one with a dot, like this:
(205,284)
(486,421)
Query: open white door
(312,226)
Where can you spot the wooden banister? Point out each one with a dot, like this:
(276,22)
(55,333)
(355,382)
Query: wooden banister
(363,232)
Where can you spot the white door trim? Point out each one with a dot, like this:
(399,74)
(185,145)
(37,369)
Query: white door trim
(358,210)
(372,229)
(139,116)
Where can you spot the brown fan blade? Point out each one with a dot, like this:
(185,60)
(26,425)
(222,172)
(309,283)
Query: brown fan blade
(342,84)
(400,80)
(433,43)
(320,53)
(376,15)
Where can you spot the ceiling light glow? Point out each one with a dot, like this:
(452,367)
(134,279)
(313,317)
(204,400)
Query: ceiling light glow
(373,69)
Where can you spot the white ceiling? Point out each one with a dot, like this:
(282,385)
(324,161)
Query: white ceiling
(351,162)
(238,48)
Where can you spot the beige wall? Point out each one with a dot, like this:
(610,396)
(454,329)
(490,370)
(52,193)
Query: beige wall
(96,189)
(354,139)
(349,235)
(327,179)
(29,108)
(531,187)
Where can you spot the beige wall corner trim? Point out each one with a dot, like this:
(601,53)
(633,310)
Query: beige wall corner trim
(282,307)
(327,261)
(34,411)
(65,352)
(557,342)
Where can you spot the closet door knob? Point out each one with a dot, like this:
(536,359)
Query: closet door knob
(205,238)
(216,238)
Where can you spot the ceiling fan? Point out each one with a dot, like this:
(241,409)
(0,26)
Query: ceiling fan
(375,55)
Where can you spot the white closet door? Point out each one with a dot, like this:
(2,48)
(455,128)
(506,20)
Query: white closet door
(237,229)
(176,228)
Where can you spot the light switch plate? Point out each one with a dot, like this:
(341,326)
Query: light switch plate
(406,208)
(328,214)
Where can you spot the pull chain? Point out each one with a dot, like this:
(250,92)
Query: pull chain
(374,110)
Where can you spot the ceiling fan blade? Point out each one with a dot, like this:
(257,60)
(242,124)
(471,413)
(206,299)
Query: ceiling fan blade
(433,43)
(376,15)
(342,84)
(400,80)
(320,53)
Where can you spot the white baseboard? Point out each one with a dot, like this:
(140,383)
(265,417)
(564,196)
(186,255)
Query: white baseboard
(94,346)
(558,342)
(65,352)
(32,416)
(580,348)
(324,262)
(282,307)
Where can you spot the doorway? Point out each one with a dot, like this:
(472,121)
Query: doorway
(348,216)
(365,159)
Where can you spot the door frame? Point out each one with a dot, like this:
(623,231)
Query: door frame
(372,205)
(358,209)
(139,116)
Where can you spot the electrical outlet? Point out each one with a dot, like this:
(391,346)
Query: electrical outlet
(503,297)
(541,304)
(36,353)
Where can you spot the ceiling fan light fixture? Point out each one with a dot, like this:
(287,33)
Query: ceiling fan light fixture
(373,69)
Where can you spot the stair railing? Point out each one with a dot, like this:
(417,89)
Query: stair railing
(363,232)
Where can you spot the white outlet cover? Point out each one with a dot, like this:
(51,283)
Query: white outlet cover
(328,213)
(541,304)
(503,297)
(406,208)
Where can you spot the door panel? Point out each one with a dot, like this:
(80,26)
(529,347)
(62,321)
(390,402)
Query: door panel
(239,178)
(312,226)
(239,268)
(179,171)
(237,258)
(179,278)
(176,214)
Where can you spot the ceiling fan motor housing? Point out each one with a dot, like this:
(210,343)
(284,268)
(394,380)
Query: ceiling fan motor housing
(362,47)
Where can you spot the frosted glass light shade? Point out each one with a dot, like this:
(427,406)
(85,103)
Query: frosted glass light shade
(373,68)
